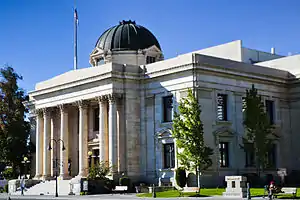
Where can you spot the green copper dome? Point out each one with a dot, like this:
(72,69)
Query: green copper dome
(127,36)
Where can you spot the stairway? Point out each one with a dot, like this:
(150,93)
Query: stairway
(47,188)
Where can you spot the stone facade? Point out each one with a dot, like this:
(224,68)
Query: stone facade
(132,134)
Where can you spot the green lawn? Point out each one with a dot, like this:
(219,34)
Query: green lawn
(255,192)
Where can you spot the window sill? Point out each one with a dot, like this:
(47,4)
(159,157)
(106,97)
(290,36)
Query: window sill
(166,123)
(224,167)
(167,169)
(218,122)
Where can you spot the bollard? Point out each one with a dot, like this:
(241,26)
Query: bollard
(153,191)
(248,191)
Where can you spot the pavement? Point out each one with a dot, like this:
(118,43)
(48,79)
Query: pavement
(111,197)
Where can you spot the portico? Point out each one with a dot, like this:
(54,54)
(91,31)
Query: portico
(56,123)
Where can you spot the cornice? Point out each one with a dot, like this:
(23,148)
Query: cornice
(71,84)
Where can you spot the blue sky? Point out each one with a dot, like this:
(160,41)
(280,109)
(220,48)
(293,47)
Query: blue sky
(36,36)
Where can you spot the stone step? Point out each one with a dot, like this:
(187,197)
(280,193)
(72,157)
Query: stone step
(47,188)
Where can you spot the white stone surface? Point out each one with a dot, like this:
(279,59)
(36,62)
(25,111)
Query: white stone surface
(236,186)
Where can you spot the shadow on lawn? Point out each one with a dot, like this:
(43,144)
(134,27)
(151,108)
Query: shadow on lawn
(198,195)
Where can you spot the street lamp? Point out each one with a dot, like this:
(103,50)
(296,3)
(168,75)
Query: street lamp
(25,161)
(56,159)
(90,153)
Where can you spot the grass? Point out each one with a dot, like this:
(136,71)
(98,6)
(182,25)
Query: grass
(255,192)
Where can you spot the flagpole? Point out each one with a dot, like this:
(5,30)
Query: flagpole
(75,38)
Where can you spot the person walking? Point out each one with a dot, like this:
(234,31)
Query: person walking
(22,184)
(272,189)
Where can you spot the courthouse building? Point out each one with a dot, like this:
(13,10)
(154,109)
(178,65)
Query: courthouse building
(120,109)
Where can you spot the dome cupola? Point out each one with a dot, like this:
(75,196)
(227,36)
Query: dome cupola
(126,36)
(126,43)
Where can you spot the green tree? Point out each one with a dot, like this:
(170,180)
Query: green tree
(14,130)
(188,132)
(258,128)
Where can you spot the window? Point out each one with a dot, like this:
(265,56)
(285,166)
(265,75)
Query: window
(222,107)
(169,156)
(270,110)
(96,119)
(150,59)
(224,154)
(167,108)
(96,156)
(249,155)
(244,105)
(271,160)
(100,62)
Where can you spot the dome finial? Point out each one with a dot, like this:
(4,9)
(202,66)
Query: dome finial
(127,22)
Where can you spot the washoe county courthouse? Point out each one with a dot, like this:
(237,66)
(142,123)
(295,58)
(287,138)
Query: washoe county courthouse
(120,109)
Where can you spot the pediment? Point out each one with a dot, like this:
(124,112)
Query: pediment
(97,51)
(224,132)
(153,49)
(163,133)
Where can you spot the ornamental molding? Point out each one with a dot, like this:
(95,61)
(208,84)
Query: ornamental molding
(163,133)
(222,133)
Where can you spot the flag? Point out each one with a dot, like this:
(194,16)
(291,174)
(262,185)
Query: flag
(76,16)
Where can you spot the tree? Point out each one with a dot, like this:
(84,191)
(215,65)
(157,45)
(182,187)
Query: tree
(14,130)
(188,132)
(258,127)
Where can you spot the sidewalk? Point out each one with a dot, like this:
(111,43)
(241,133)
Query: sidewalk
(112,197)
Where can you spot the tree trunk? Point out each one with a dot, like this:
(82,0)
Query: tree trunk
(198,177)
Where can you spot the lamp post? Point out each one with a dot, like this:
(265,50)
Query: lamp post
(90,153)
(25,161)
(56,159)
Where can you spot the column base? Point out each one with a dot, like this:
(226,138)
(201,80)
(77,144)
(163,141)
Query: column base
(37,177)
(83,174)
(64,177)
(45,177)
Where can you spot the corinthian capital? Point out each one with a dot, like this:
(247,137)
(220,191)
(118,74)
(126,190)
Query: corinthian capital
(102,99)
(63,107)
(38,112)
(112,98)
(82,104)
(46,112)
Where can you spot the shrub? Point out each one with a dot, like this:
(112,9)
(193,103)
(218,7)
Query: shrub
(8,173)
(124,181)
(181,177)
(99,171)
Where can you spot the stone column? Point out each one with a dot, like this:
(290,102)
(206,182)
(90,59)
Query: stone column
(46,152)
(52,151)
(83,134)
(121,144)
(112,131)
(102,116)
(39,145)
(64,137)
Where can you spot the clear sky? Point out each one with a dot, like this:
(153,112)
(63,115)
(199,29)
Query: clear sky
(36,36)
